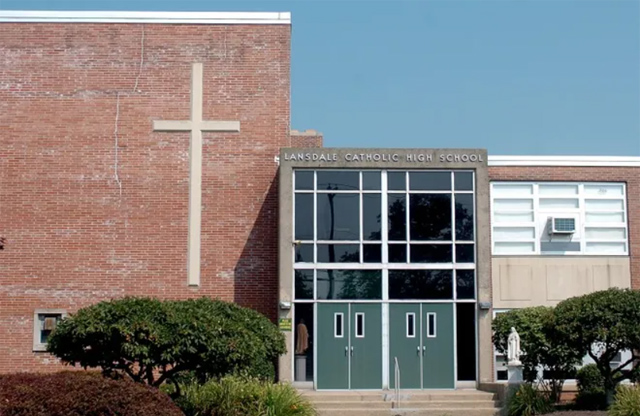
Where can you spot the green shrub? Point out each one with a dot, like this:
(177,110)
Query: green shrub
(602,324)
(284,400)
(539,345)
(527,400)
(80,393)
(627,402)
(591,391)
(152,341)
(239,396)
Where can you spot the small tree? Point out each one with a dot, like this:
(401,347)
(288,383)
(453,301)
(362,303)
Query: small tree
(153,341)
(538,344)
(603,324)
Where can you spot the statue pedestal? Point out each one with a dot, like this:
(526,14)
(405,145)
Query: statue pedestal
(514,373)
(301,367)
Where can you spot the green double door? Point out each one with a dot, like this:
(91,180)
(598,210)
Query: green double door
(421,339)
(349,346)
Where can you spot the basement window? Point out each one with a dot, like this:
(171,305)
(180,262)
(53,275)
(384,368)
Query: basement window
(44,323)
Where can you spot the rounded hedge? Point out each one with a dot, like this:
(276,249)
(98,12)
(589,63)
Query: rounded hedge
(153,341)
(80,393)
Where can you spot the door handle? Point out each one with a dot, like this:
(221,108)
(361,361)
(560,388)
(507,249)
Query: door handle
(352,351)
(418,348)
(346,351)
(423,350)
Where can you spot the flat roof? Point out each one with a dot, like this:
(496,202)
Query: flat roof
(615,161)
(201,18)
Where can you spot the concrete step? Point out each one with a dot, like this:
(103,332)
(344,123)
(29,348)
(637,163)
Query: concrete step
(431,404)
(448,411)
(405,395)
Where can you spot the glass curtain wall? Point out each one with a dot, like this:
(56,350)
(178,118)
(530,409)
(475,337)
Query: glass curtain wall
(386,236)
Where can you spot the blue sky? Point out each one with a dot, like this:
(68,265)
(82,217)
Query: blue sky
(515,77)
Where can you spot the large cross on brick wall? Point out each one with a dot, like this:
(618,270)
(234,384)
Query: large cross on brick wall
(195,126)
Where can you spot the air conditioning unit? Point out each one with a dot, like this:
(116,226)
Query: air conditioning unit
(563,225)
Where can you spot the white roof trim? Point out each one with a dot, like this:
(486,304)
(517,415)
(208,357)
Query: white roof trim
(620,161)
(204,18)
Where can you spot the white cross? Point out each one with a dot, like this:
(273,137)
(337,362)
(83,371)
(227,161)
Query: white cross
(196,126)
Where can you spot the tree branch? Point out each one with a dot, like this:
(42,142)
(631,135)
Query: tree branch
(167,374)
(149,375)
(621,366)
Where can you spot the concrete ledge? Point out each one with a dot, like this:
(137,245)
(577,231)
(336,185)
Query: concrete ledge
(202,18)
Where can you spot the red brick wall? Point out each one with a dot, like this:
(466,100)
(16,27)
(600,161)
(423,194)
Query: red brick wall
(629,175)
(306,139)
(74,234)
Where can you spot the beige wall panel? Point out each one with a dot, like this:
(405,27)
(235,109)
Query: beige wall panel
(565,281)
(520,282)
(515,282)
(620,276)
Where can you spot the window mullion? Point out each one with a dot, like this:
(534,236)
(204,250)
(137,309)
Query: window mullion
(536,209)
(407,217)
(384,217)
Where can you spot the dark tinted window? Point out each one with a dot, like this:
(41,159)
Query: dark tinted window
(371,211)
(372,253)
(304,253)
(463,181)
(360,324)
(465,287)
(420,284)
(304,217)
(431,253)
(371,180)
(396,181)
(466,341)
(349,284)
(343,180)
(464,217)
(397,217)
(430,181)
(338,325)
(304,284)
(304,180)
(465,253)
(411,325)
(397,253)
(430,216)
(338,253)
(338,216)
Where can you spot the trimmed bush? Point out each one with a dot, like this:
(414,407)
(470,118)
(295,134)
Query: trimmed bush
(153,341)
(527,400)
(602,324)
(591,392)
(627,402)
(238,396)
(80,393)
(540,346)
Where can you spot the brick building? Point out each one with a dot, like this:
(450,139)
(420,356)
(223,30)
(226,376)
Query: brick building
(151,154)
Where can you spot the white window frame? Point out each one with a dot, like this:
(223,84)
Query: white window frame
(435,325)
(358,314)
(580,214)
(335,325)
(37,326)
(412,327)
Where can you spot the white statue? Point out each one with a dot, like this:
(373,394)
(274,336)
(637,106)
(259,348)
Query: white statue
(513,348)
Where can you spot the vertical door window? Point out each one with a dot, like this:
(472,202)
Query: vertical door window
(359,325)
(431,325)
(411,325)
(338,325)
